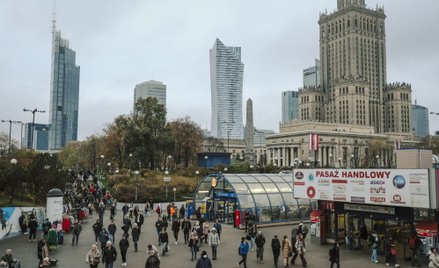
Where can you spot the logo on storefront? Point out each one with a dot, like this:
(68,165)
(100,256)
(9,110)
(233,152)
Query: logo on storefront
(377,199)
(339,188)
(373,182)
(299,175)
(399,181)
(311,192)
(397,199)
(377,190)
(311,177)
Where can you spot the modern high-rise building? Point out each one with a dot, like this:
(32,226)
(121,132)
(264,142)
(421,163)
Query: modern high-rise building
(311,75)
(420,122)
(151,88)
(226,79)
(353,77)
(64,93)
(41,137)
(290,106)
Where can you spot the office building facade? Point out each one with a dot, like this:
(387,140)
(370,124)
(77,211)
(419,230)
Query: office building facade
(64,93)
(420,122)
(41,137)
(151,88)
(290,106)
(311,75)
(226,80)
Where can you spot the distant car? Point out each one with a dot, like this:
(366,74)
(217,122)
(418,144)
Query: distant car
(286,172)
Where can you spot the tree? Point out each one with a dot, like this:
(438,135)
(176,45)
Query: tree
(4,144)
(187,139)
(146,131)
(113,144)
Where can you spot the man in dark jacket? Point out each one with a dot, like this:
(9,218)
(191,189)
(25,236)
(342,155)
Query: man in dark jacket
(159,227)
(22,223)
(123,246)
(33,224)
(103,238)
(186,226)
(136,235)
(163,241)
(176,229)
(112,231)
(275,246)
(109,255)
(334,255)
(204,261)
(260,242)
(97,227)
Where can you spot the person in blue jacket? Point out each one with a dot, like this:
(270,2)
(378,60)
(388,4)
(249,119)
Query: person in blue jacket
(243,251)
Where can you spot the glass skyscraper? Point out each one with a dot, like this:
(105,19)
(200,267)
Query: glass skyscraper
(226,79)
(420,122)
(290,106)
(64,93)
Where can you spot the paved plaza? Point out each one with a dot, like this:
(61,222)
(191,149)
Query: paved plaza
(179,255)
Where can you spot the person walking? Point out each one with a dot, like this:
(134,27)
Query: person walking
(135,232)
(97,227)
(140,219)
(42,250)
(93,256)
(260,242)
(125,209)
(109,255)
(243,251)
(77,228)
(9,260)
(126,225)
(374,242)
(433,257)
(176,229)
(218,228)
(193,244)
(159,228)
(182,211)
(203,261)
(334,255)
(103,238)
(214,242)
(112,231)
(415,246)
(152,261)
(287,250)
(206,230)
(186,226)
(163,241)
(124,244)
(300,250)
(252,231)
(391,253)
(32,225)
(275,246)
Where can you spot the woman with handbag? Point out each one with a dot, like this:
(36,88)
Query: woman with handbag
(287,250)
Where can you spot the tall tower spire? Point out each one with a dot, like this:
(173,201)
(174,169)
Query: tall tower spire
(54,17)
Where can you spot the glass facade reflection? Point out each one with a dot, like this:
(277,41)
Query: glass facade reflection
(268,196)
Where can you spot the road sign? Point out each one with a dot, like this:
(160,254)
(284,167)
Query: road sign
(167,179)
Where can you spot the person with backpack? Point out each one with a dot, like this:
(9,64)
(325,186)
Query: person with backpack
(243,251)
(275,246)
(374,242)
(218,228)
(415,246)
(334,255)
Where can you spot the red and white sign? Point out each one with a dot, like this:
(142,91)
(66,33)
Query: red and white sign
(313,142)
(394,187)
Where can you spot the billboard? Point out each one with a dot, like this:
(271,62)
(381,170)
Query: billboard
(394,187)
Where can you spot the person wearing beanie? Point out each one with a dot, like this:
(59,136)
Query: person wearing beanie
(260,242)
(203,261)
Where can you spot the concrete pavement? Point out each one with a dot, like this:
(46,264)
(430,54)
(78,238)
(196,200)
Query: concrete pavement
(179,255)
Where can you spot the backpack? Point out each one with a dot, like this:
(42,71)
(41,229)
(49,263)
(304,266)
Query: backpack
(412,242)
(304,229)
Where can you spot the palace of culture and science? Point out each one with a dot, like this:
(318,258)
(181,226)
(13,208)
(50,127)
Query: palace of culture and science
(353,107)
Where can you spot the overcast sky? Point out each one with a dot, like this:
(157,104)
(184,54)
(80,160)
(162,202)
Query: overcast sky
(119,45)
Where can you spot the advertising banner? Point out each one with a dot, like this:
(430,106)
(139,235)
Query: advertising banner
(394,187)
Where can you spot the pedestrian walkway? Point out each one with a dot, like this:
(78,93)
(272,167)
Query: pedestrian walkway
(179,255)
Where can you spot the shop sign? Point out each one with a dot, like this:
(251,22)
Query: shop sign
(393,187)
(367,208)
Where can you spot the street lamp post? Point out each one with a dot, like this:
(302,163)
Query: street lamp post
(196,174)
(136,173)
(33,123)
(166,180)
(377,157)
(169,162)
(205,158)
(174,189)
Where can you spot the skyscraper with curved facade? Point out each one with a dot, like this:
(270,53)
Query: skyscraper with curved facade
(226,79)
